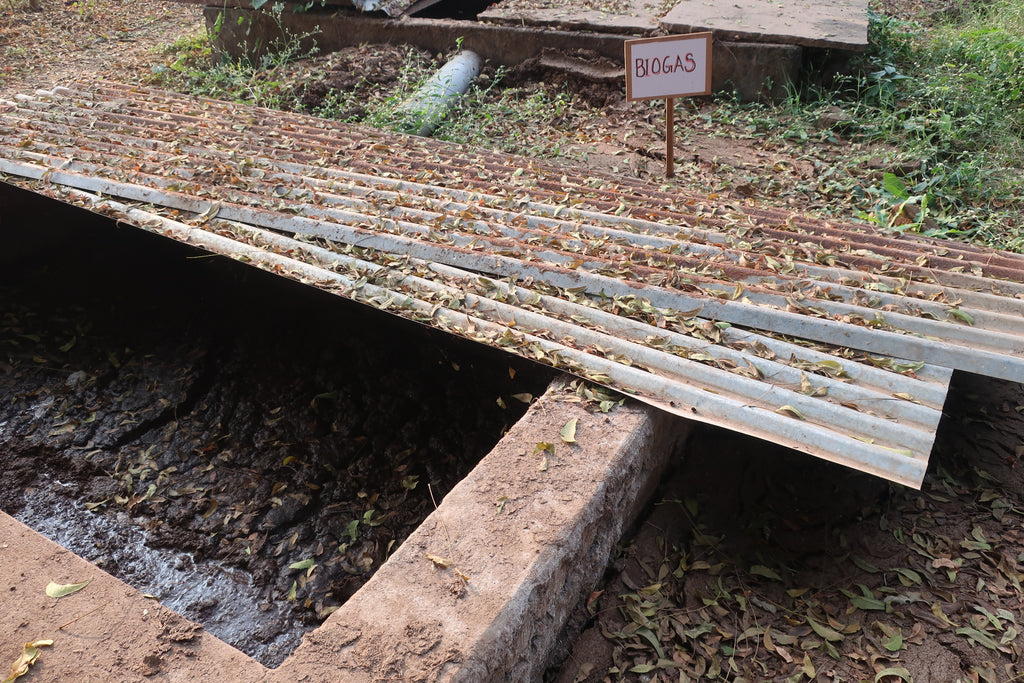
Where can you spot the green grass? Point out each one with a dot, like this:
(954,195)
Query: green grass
(514,120)
(957,111)
(261,80)
(947,103)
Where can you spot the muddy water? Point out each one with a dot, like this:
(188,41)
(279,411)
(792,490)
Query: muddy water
(224,599)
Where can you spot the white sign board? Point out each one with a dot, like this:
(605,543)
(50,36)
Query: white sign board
(668,66)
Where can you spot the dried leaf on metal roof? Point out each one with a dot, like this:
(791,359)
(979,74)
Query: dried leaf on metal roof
(338,207)
(961,315)
(791,411)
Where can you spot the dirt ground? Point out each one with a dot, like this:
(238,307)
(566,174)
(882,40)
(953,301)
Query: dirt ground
(65,40)
(753,564)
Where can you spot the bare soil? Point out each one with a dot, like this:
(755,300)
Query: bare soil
(352,70)
(753,563)
(120,39)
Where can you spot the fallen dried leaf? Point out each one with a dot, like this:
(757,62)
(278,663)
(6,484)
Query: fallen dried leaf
(937,611)
(59,590)
(897,671)
(865,565)
(893,641)
(761,570)
(866,601)
(439,561)
(829,634)
(908,577)
(568,432)
(29,654)
(808,667)
(975,636)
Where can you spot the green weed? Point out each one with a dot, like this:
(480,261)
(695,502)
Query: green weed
(375,104)
(199,70)
(382,109)
(514,120)
(944,106)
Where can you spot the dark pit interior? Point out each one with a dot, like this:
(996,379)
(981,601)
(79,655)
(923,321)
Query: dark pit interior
(162,406)
(453,9)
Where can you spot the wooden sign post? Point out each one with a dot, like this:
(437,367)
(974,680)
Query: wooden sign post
(669,67)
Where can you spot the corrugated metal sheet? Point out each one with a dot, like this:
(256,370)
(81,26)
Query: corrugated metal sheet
(766,322)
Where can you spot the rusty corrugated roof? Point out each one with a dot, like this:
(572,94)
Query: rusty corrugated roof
(764,321)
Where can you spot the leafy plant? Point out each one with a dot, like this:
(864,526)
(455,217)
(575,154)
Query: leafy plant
(199,70)
(949,104)
(883,86)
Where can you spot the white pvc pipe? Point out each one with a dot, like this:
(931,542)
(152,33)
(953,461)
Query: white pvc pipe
(424,110)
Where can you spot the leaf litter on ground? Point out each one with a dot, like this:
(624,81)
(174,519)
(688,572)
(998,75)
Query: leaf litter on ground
(730,603)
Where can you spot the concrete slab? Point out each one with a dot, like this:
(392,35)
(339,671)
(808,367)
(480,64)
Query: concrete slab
(640,18)
(837,24)
(532,532)
(96,632)
(516,544)
(241,29)
(755,71)
(513,31)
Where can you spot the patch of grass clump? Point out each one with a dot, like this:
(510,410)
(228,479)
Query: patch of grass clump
(517,120)
(946,105)
(260,80)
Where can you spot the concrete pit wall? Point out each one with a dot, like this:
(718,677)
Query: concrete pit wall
(527,533)
(753,70)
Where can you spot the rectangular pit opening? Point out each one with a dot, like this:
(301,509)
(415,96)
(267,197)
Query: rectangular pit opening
(244,448)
